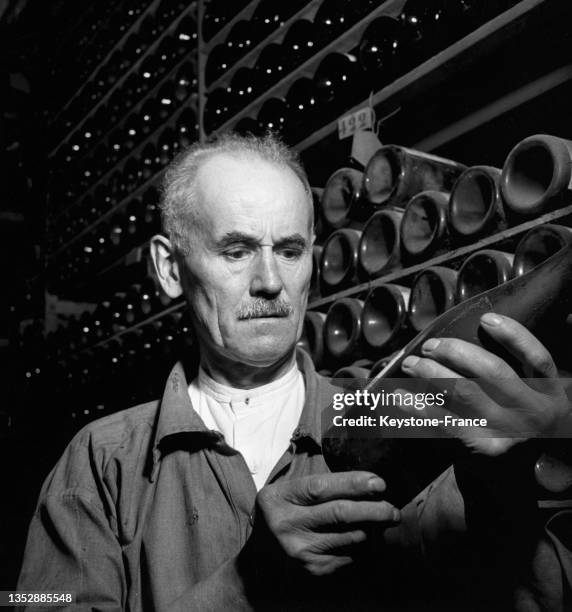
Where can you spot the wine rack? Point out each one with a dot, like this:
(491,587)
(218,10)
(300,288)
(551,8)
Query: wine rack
(127,116)
(501,39)
(463,128)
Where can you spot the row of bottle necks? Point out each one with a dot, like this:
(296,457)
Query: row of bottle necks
(410,206)
(175,45)
(389,47)
(70,181)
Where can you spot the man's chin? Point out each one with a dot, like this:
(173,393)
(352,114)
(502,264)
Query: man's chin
(263,353)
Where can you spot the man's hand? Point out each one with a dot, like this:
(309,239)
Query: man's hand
(318,521)
(510,405)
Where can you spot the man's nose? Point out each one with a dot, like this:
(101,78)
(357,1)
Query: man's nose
(266,279)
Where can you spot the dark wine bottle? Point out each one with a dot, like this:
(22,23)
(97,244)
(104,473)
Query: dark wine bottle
(339,84)
(299,44)
(340,196)
(539,244)
(537,175)
(338,265)
(315,279)
(343,330)
(395,174)
(424,226)
(301,102)
(273,115)
(432,293)
(482,271)
(379,49)
(384,317)
(475,205)
(269,66)
(380,245)
(312,339)
(540,300)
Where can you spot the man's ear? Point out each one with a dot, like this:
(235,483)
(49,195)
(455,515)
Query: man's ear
(166,266)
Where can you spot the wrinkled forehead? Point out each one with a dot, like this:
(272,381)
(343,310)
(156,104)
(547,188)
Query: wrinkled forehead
(249,193)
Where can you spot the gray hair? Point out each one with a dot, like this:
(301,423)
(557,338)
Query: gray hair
(179,182)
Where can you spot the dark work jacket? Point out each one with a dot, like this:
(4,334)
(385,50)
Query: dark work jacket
(147,510)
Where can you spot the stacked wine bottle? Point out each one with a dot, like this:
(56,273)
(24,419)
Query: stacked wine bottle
(412,235)
(323,54)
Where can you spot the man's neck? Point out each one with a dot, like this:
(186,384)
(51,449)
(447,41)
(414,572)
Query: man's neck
(241,375)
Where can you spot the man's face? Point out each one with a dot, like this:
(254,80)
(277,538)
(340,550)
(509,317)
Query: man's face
(247,275)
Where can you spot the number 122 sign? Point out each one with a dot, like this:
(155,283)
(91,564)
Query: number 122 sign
(362,119)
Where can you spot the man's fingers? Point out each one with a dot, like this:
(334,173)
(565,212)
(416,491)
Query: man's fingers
(518,340)
(467,358)
(338,514)
(321,488)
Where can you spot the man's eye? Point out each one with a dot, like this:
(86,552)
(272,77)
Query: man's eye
(291,253)
(237,254)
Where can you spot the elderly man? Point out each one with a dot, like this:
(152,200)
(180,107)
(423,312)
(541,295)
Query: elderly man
(217,496)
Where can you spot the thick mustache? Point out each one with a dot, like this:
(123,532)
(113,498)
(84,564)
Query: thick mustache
(265,308)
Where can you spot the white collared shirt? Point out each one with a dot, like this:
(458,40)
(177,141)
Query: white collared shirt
(257,422)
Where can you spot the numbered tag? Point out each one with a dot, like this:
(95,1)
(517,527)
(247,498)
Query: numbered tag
(362,119)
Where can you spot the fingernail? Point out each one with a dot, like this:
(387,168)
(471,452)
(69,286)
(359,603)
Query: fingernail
(492,319)
(430,345)
(376,485)
(396,515)
(410,362)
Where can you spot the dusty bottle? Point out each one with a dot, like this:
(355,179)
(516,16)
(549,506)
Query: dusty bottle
(538,244)
(384,317)
(537,174)
(540,300)
(395,174)
(475,206)
(342,330)
(380,244)
(482,271)
(315,279)
(340,196)
(312,339)
(338,265)
(432,293)
(424,226)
